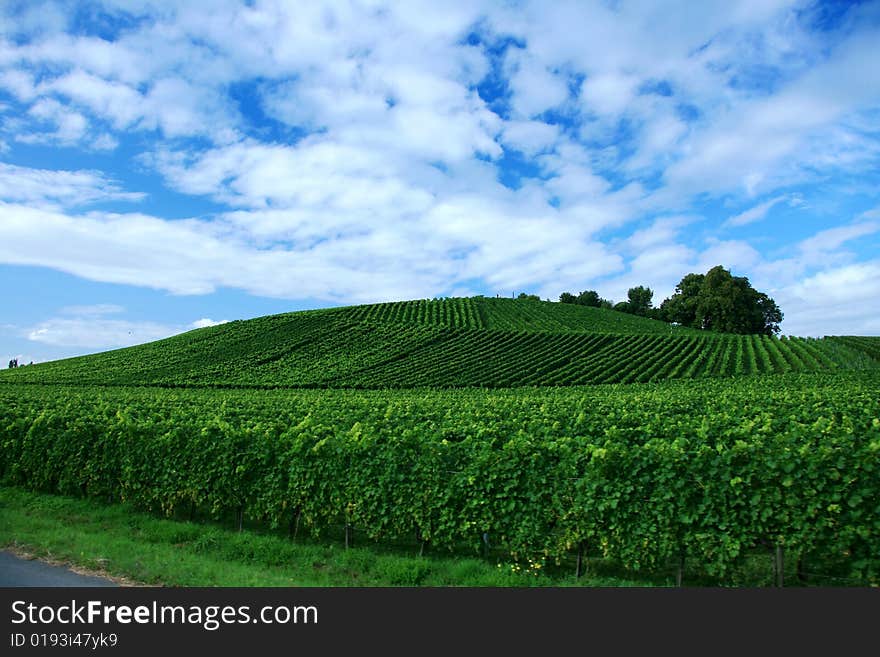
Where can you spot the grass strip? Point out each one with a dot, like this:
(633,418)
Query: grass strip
(137,547)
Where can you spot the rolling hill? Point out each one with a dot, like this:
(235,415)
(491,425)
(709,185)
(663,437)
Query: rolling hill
(458,342)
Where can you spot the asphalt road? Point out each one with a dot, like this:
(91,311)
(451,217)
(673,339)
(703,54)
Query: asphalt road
(15,571)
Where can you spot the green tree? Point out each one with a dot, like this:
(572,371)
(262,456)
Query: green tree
(719,301)
(681,307)
(770,314)
(589,298)
(639,300)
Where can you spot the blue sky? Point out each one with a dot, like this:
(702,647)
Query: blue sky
(170,165)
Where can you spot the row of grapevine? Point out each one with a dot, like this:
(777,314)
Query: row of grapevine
(634,353)
(460,359)
(515,315)
(852,353)
(641,474)
(549,317)
(864,344)
(454,312)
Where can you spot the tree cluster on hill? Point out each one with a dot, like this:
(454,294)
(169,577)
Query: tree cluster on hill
(589,298)
(638,301)
(718,301)
(714,301)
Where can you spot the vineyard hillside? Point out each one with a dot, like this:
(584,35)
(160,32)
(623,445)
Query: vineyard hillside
(449,343)
(512,315)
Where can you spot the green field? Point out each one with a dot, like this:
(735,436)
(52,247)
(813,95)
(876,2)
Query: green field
(451,343)
(703,450)
(637,474)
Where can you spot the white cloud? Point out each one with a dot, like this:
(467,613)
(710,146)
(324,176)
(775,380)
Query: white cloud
(42,187)
(88,327)
(535,89)
(757,212)
(19,83)
(112,248)
(316,173)
(173,105)
(530,137)
(832,239)
(608,93)
(509,241)
(123,59)
(843,284)
(104,142)
(736,255)
(97,333)
(378,178)
(317,106)
(659,268)
(836,301)
(760,143)
(659,135)
(205,322)
(70,126)
(114,101)
(664,230)
(179,109)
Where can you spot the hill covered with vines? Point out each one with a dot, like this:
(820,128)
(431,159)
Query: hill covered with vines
(449,343)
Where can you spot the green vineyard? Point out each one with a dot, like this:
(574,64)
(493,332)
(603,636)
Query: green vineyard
(510,315)
(450,343)
(457,423)
(645,475)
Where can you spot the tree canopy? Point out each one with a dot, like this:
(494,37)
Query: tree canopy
(639,300)
(588,298)
(714,301)
(719,301)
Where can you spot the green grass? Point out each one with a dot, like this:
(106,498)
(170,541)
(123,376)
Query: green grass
(118,541)
(139,548)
